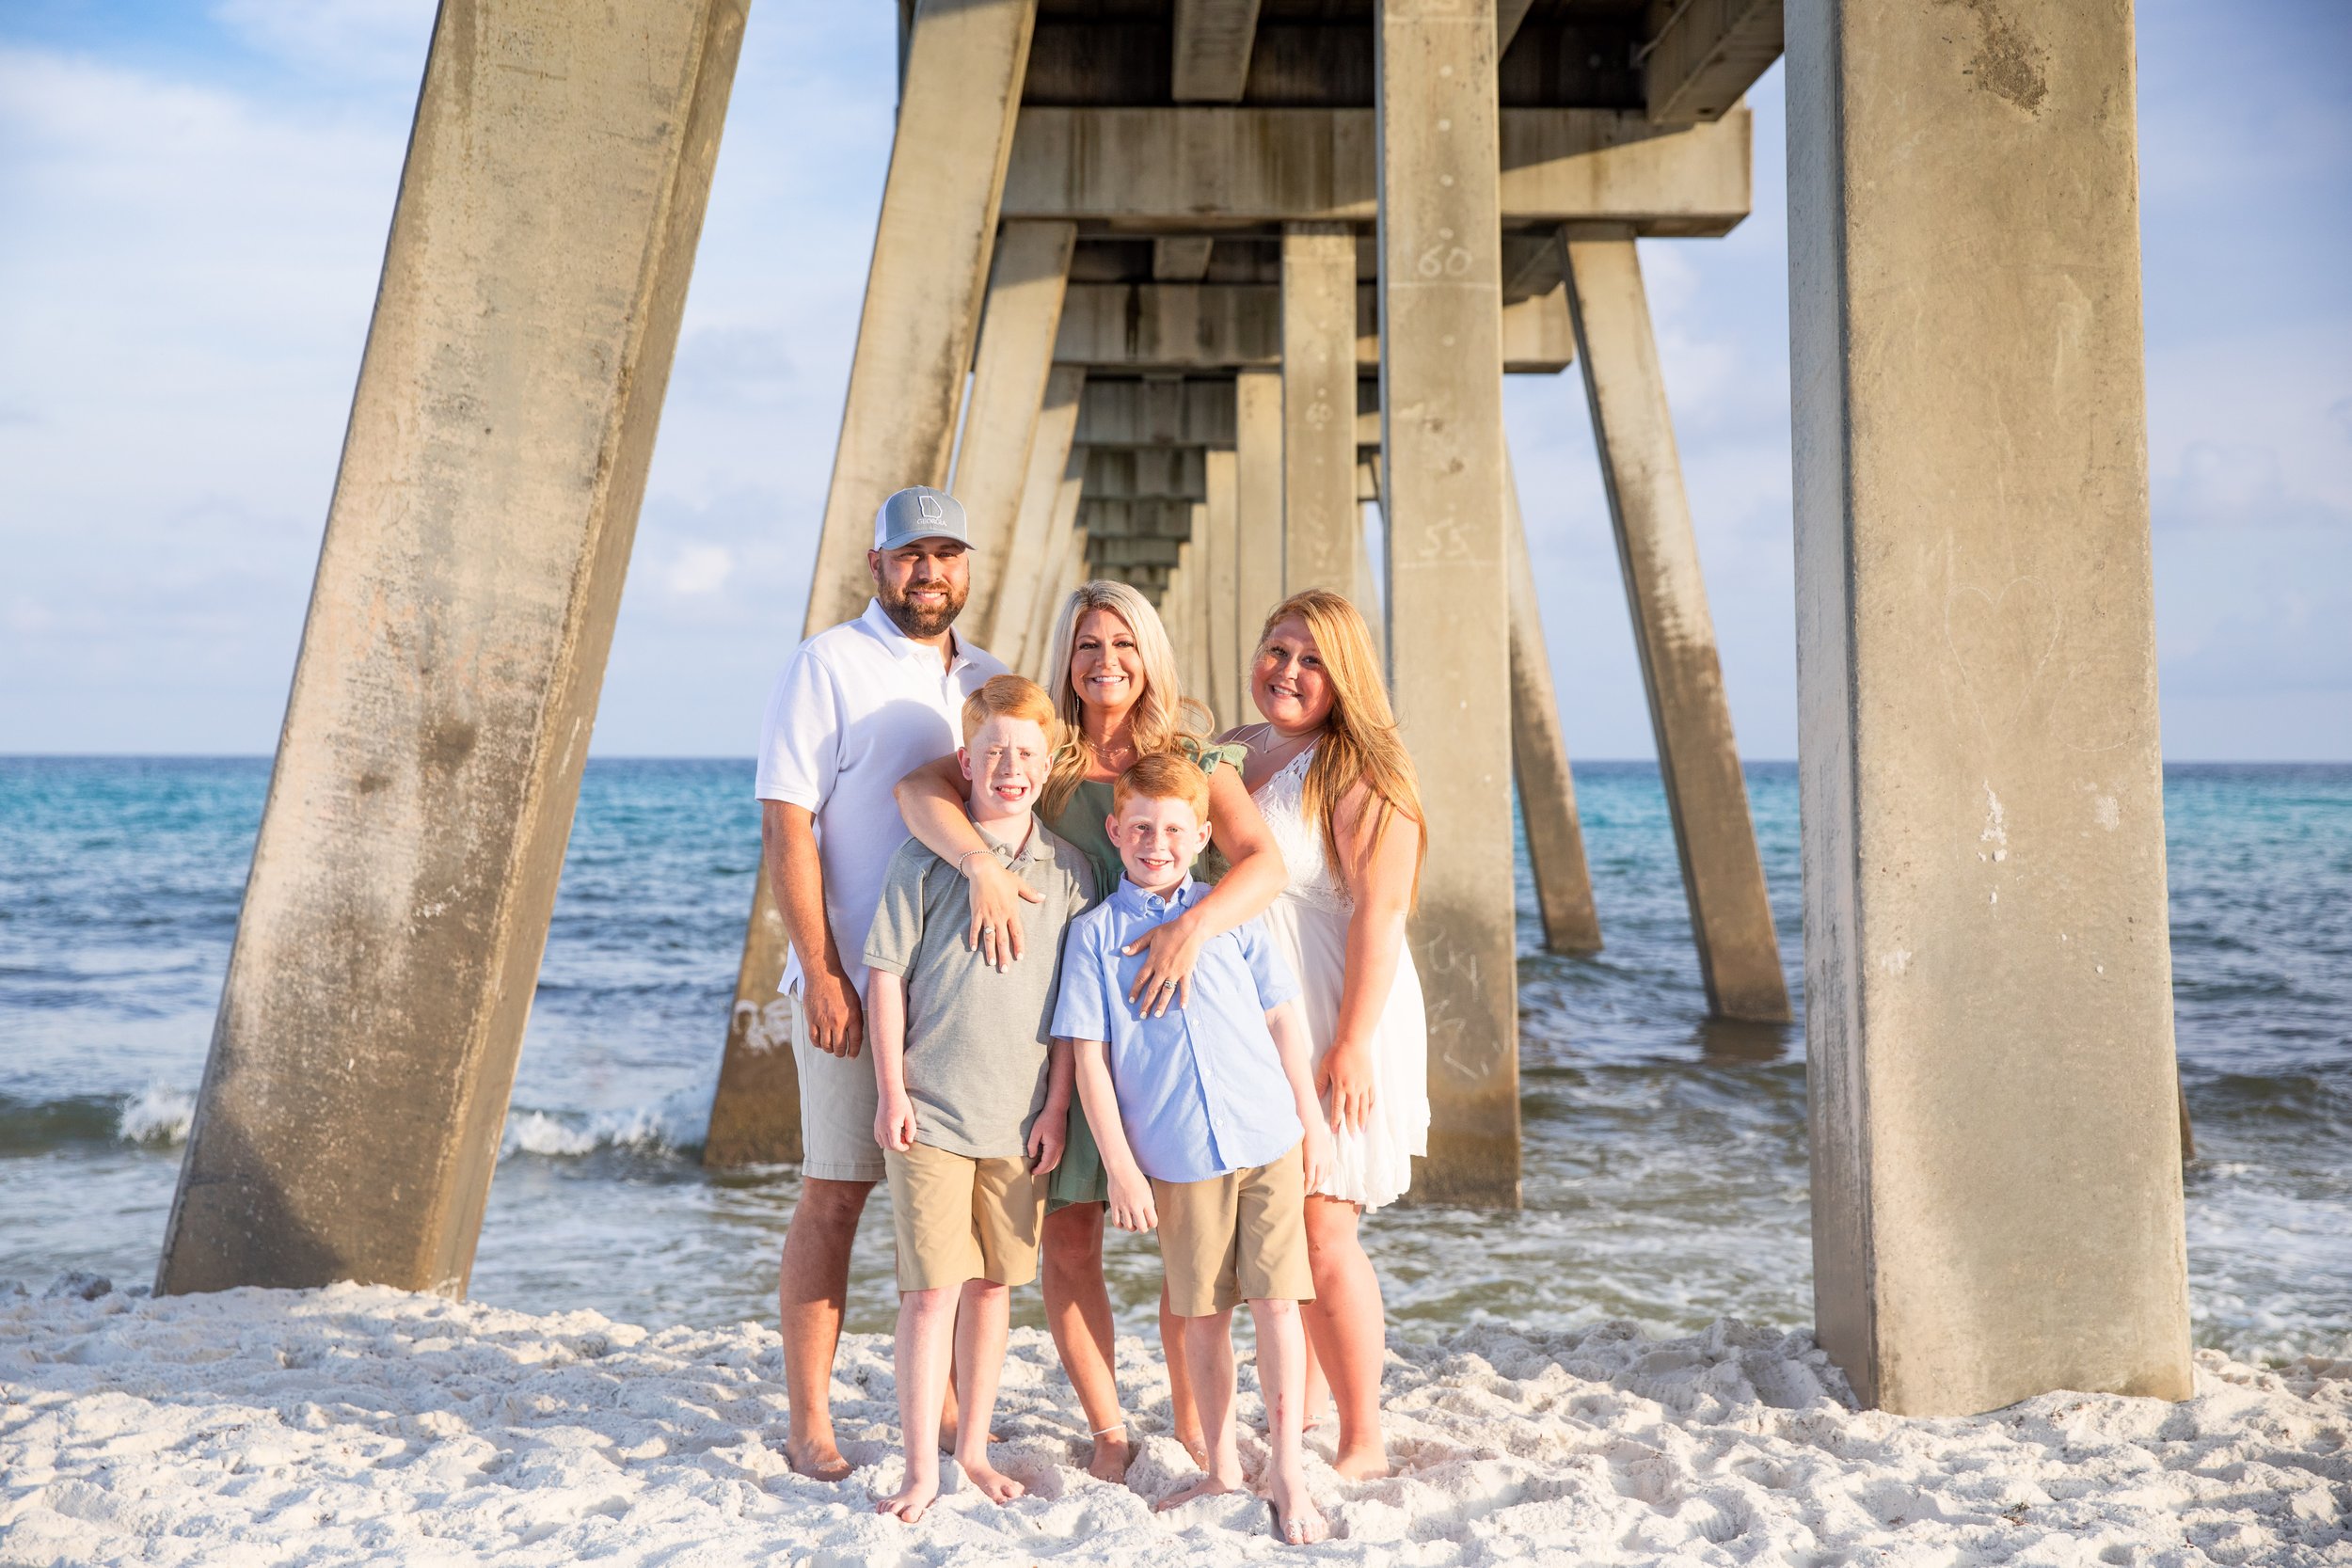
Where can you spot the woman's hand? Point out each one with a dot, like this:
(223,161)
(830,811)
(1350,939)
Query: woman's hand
(1048,1136)
(996,898)
(1172,949)
(1344,1084)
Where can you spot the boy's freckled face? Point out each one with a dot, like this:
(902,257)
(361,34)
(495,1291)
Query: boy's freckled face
(1157,841)
(1007,761)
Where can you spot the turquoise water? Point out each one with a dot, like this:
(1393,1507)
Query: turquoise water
(1665,1158)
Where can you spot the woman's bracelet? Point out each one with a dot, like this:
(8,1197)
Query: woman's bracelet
(966,856)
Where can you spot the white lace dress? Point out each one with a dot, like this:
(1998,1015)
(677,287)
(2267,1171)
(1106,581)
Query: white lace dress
(1309,926)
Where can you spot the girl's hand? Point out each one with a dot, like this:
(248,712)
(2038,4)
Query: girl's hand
(1344,1084)
(894,1123)
(1172,948)
(996,898)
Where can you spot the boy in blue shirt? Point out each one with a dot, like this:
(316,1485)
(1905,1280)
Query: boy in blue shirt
(1208,1126)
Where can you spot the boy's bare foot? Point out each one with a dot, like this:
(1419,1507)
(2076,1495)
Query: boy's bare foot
(1111,1457)
(996,1486)
(1207,1486)
(1302,1523)
(817,1459)
(1368,1464)
(910,1500)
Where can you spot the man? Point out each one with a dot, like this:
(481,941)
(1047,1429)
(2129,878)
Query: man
(858,706)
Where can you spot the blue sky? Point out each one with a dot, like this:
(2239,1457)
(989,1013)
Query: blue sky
(193,204)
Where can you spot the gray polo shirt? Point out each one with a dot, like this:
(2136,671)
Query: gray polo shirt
(977,1040)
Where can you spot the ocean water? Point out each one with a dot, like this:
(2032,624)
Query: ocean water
(1665,1157)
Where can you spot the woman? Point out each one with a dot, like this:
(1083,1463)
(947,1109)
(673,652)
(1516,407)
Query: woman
(1337,789)
(1113,680)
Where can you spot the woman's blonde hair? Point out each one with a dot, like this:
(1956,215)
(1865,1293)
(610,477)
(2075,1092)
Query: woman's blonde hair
(1359,742)
(1163,715)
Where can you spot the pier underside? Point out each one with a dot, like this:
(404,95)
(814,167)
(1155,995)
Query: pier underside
(1199,281)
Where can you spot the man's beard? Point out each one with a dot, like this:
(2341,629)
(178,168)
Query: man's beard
(920,624)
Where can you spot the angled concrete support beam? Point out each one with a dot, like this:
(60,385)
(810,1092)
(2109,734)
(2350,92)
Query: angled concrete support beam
(1706,54)
(1321,528)
(961,92)
(1214,39)
(1997,1184)
(1064,571)
(1144,170)
(1018,326)
(1731,919)
(1539,760)
(1258,498)
(1441,397)
(356,1093)
(1020,581)
(1509,16)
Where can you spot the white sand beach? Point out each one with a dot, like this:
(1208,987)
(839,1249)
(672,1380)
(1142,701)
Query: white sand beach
(358,1424)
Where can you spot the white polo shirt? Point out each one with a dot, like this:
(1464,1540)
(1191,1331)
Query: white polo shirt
(859,707)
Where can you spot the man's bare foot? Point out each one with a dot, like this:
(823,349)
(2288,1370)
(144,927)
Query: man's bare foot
(1360,1464)
(910,1500)
(1302,1523)
(996,1486)
(1111,1457)
(1207,1486)
(817,1459)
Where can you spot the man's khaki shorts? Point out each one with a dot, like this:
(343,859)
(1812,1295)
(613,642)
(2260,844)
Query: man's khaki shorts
(958,1218)
(837,1104)
(1234,1238)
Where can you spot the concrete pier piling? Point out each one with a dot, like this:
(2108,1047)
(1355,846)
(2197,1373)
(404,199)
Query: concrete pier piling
(1019,321)
(1019,583)
(1441,400)
(1258,494)
(1996,1182)
(356,1089)
(962,69)
(1731,919)
(1321,527)
(1539,760)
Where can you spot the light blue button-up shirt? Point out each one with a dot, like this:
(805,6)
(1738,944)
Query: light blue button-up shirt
(1200,1090)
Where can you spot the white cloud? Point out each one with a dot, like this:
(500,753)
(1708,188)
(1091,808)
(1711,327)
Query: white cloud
(699,570)
(380,40)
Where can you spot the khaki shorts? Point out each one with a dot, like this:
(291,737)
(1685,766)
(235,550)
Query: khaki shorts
(837,1104)
(958,1218)
(1234,1238)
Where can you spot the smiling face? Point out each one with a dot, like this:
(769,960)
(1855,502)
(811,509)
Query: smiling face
(1158,838)
(1105,666)
(1288,681)
(1006,760)
(922,586)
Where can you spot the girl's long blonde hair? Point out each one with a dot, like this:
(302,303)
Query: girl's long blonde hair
(1359,743)
(1163,715)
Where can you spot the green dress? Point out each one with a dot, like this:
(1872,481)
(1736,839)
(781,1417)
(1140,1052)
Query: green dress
(1080,1176)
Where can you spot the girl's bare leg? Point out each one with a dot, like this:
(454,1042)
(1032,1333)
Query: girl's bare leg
(1079,1315)
(1349,1330)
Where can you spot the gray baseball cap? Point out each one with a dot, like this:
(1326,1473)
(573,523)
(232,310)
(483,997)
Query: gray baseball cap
(919,513)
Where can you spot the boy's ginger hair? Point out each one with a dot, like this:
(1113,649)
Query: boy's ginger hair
(1164,776)
(1010,697)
